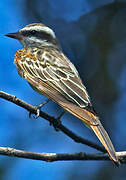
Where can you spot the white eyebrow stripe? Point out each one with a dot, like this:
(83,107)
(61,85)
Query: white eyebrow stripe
(39,28)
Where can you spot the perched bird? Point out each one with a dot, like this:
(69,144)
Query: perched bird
(42,63)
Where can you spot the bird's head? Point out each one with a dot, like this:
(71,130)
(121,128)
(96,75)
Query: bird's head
(36,35)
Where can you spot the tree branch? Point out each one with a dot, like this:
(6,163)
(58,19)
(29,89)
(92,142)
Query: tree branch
(51,119)
(50,157)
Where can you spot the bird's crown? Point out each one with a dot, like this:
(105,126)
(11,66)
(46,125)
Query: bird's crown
(33,29)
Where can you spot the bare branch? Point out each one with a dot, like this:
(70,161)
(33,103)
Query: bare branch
(50,157)
(51,119)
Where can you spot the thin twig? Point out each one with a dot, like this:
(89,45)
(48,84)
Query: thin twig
(51,119)
(50,157)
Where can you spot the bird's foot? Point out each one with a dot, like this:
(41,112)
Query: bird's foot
(57,121)
(38,109)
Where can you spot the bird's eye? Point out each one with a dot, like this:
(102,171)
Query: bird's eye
(33,32)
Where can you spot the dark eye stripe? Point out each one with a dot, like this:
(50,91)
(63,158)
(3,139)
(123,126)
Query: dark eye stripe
(38,34)
(41,35)
(25,33)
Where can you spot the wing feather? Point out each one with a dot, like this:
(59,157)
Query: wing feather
(57,71)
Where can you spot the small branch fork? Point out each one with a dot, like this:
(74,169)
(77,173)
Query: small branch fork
(59,126)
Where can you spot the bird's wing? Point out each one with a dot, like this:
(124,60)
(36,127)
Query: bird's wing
(53,68)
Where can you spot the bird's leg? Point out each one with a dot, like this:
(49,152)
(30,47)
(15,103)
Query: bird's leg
(58,121)
(61,114)
(38,108)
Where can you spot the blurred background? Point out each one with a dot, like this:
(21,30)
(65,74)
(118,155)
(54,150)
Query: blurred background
(92,34)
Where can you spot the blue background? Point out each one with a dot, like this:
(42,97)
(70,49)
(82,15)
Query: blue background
(93,36)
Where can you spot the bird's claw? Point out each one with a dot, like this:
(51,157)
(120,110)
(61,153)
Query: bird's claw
(37,114)
(57,121)
(55,124)
(38,109)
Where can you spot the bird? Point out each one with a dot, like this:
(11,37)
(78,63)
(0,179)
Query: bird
(43,64)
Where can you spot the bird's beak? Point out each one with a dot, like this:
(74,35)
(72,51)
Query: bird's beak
(15,35)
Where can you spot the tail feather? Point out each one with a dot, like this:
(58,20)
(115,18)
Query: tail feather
(105,140)
(93,122)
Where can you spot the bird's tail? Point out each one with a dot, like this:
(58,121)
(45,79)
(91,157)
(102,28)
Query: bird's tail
(93,122)
(105,140)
